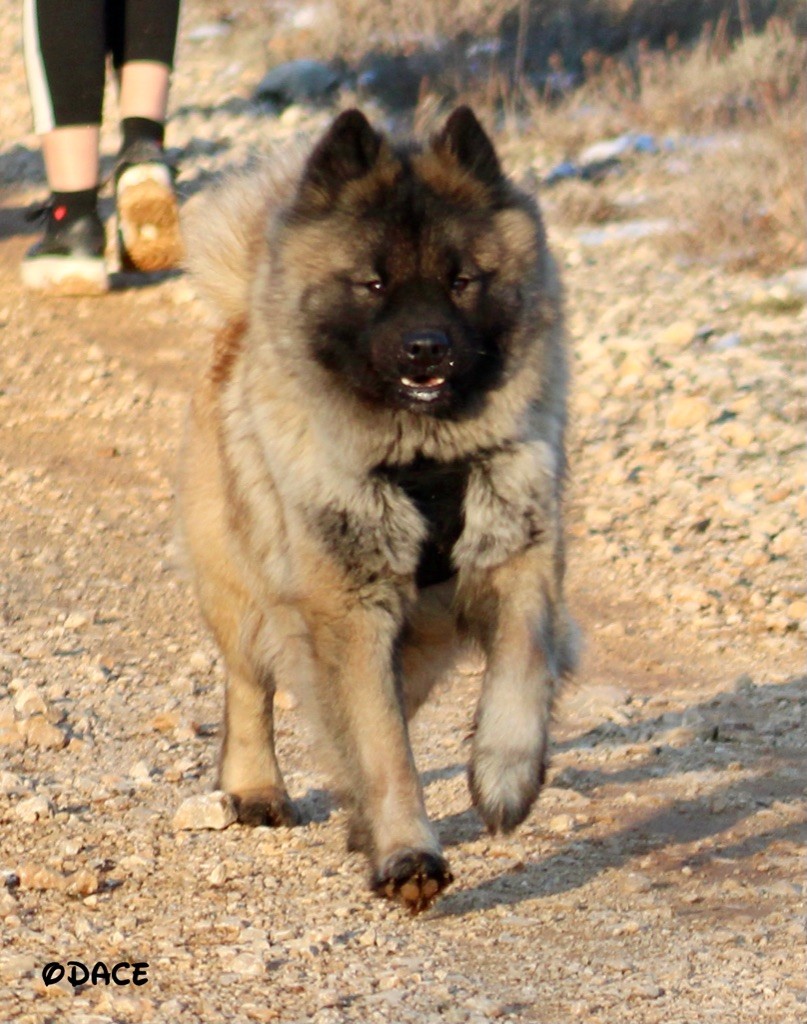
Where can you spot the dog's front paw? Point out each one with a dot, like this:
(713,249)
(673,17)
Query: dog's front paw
(267,806)
(504,785)
(414,878)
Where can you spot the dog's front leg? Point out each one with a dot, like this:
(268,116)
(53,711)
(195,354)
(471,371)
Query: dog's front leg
(521,621)
(360,705)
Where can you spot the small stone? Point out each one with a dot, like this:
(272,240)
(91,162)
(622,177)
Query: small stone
(688,411)
(567,797)
(597,700)
(778,622)
(214,810)
(247,965)
(33,876)
(165,721)
(77,620)
(746,482)
(36,651)
(797,611)
(19,966)
(738,435)
(11,738)
(41,733)
(788,542)
(637,882)
(35,808)
(598,518)
(8,718)
(200,661)
(561,823)
(678,335)
(218,876)
(12,785)
(646,990)
(635,364)
(186,729)
(140,771)
(29,701)
(327,997)
(83,882)
(690,596)
(631,927)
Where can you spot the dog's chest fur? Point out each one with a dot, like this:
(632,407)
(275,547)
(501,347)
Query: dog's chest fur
(437,489)
(432,518)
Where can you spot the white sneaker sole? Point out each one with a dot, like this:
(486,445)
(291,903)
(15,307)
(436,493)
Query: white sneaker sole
(148,219)
(65,275)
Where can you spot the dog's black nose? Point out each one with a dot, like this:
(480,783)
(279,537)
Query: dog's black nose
(426,347)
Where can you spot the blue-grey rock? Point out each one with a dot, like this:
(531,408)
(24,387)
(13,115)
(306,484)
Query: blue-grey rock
(298,81)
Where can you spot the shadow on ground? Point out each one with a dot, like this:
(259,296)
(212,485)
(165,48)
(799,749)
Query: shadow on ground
(773,751)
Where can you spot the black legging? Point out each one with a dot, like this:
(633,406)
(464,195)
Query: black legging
(67,43)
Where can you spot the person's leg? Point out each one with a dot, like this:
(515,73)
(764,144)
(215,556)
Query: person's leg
(65,56)
(71,158)
(144,90)
(142,38)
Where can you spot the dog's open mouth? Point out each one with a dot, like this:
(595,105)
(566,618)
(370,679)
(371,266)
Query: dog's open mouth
(426,389)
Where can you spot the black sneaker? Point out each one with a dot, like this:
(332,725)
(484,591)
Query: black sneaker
(148,214)
(69,260)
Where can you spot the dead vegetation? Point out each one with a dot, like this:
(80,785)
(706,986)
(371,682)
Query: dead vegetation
(719,83)
(728,93)
(736,116)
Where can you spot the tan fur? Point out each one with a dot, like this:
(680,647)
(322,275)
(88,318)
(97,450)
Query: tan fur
(440,169)
(304,557)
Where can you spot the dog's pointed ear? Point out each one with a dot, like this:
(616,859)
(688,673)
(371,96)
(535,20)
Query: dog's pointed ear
(465,138)
(348,150)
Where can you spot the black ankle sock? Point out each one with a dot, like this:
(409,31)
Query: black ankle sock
(67,207)
(137,129)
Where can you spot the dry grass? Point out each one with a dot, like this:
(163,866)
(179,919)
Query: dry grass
(349,29)
(711,86)
(582,202)
(745,206)
(742,202)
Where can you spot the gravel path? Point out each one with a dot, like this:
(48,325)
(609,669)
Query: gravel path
(659,878)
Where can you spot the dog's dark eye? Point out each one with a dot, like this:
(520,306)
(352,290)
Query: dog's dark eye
(374,286)
(459,284)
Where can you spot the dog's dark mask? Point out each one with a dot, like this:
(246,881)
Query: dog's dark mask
(418,324)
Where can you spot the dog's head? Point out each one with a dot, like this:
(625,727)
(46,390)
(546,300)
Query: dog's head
(413,267)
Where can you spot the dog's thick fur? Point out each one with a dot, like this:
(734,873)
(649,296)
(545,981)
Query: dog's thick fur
(372,474)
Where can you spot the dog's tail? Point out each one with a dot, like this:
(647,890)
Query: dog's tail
(225,229)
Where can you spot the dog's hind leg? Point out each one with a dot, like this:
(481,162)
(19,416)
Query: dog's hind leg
(248,769)
(431,646)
